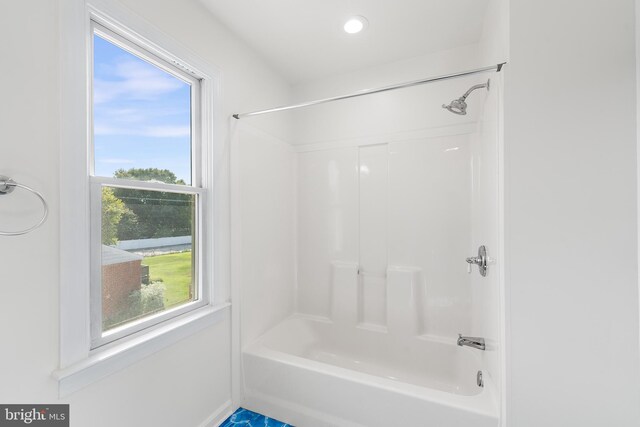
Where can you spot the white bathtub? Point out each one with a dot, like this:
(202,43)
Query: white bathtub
(311,373)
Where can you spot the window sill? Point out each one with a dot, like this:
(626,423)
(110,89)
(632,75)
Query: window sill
(104,362)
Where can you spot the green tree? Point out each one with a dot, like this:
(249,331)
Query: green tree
(157,213)
(113,210)
(149,174)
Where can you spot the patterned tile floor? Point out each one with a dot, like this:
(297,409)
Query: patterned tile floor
(245,418)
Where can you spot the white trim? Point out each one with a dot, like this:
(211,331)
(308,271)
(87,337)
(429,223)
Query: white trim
(637,34)
(109,14)
(166,62)
(127,40)
(114,358)
(146,185)
(78,366)
(296,223)
(201,297)
(95,280)
(235,126)
(74,186)
(219,415)
(431,132)
(505,301)
(237,380)
(142,326)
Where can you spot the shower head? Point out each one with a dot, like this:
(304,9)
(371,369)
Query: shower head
(459,106)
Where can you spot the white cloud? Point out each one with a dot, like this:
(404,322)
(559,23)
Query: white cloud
(119,110)
(155,113)
(137,80)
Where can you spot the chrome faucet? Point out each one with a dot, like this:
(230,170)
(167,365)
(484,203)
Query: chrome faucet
(474,342)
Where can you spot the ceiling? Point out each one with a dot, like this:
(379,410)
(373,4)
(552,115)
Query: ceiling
(304,39)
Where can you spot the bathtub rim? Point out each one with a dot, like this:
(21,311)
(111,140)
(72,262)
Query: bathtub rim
(484,403)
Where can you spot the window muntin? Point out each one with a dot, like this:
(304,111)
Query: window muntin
(145,190)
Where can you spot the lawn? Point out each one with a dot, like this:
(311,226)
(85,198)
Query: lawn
(175,272)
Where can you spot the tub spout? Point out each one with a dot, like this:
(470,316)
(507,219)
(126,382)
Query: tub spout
(474,342)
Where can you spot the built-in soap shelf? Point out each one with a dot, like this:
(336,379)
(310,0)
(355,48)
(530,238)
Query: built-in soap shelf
(399,303)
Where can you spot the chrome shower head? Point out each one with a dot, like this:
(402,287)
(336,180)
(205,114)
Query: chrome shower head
(459,106)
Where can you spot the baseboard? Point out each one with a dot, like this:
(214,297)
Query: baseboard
(220,414)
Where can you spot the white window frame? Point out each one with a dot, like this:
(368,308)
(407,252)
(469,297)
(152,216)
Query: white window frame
(83,360)
(97,183)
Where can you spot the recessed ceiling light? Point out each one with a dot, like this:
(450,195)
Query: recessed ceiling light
(356,24)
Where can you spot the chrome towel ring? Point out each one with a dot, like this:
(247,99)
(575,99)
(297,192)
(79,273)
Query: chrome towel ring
(7,185)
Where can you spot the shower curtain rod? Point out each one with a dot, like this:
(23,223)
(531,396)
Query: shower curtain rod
(497,69)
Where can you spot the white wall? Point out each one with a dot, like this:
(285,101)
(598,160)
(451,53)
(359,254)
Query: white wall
(486,229)
(430,226)
(407,202)
(385,113)
(266,215)
(327,223)
(28,140)
(488,307)
(494,42)
(180,385)
(572,278)
(427,197)
(410,197)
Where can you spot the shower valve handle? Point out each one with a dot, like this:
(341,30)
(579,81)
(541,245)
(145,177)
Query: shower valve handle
(480,260)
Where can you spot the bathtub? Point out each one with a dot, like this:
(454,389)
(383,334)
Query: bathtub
(311,373)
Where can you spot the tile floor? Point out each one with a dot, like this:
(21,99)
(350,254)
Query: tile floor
(245,418)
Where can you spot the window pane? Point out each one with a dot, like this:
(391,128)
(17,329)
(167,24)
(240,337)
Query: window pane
(148,259)
(141,118)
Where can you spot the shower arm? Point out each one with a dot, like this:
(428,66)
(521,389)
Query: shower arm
(475,87)
(459,106)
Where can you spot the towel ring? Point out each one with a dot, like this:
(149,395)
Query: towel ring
(7,185)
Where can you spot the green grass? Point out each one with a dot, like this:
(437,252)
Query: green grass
(175,272)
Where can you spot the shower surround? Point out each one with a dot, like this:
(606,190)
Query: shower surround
(363,330)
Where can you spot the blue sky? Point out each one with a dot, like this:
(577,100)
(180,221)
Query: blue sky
(142,115)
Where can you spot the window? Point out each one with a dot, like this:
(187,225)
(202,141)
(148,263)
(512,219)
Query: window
(138,222)
(146,189)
